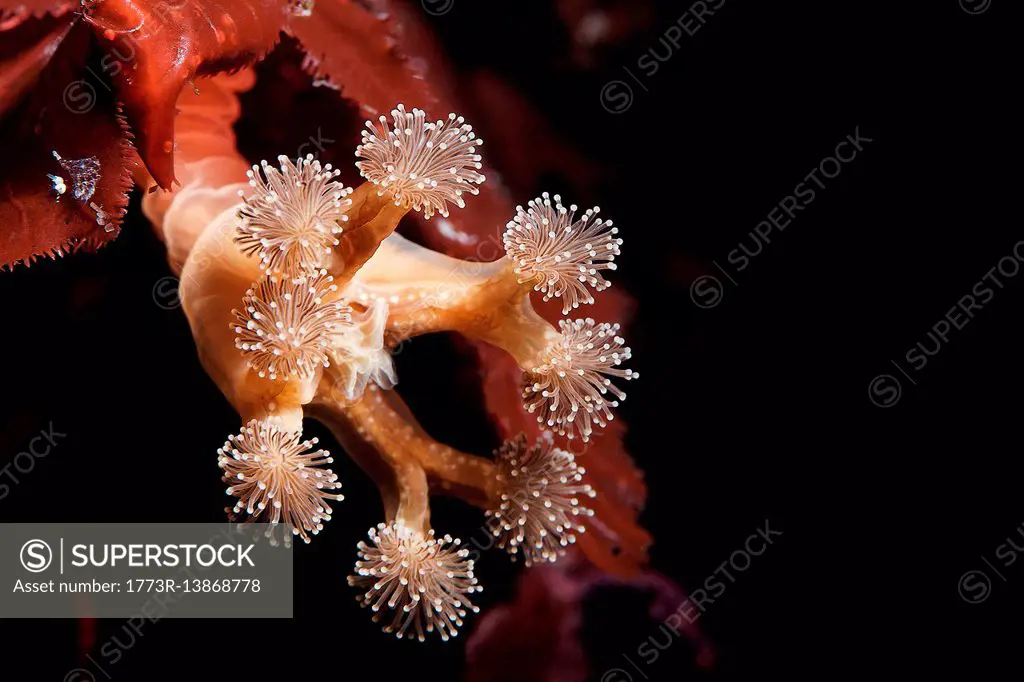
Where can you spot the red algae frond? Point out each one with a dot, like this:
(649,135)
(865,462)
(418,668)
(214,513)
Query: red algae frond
(567,389)
(424,582)
(267,466)
(560,253)
(421,164)
(286,325)
(540,490)
(292,217)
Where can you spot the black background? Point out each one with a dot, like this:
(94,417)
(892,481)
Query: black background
(755,409)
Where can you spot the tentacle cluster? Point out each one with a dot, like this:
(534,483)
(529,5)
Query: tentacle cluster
(565,256)
(559,253)
(293,215)
(423,582)
(267,466)
(286,324)
(567,389)
(422,164)
(540,490)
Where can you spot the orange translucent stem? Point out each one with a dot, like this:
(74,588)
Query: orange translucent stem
(381,421)
(371,219)
(206,162)
(401,479)
(454,472)
(483,301)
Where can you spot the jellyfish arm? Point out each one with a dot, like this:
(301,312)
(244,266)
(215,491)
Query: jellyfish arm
(297,289)
(567,368)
